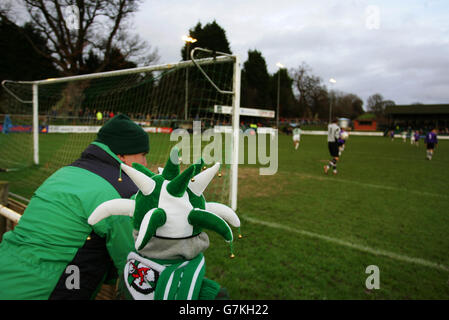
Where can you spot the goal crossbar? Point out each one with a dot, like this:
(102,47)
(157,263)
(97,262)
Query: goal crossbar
(160,67)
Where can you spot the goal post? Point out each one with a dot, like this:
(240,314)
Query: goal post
(61,116)
(235,134)
(35,123)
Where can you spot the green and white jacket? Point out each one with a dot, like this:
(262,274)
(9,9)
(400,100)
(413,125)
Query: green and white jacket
(53,253)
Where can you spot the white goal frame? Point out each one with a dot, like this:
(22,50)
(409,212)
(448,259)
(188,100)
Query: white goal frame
(221,58)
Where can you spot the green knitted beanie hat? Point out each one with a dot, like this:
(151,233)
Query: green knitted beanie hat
(124,136)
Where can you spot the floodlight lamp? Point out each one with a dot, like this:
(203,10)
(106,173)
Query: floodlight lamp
(189,39)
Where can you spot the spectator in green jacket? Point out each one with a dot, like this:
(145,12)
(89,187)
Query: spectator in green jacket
(53,253)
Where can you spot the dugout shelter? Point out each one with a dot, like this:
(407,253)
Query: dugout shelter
(365,122)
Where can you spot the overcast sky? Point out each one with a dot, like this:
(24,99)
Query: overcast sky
(399,48)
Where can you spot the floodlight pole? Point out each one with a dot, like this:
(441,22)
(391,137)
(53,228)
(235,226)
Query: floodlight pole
(277,109)
(279,94)
(187,82)
(188,40)
(331,80)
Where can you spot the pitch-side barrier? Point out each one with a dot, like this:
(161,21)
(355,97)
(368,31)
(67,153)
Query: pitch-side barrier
(9,214)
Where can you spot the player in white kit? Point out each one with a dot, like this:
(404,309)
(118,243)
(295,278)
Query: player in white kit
(296,137)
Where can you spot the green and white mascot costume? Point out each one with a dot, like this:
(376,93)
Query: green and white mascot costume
(169,213)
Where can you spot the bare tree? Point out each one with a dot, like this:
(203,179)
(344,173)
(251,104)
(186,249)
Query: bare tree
(75,27)
(312,93)
(299,80)
(375,104)
(348,105)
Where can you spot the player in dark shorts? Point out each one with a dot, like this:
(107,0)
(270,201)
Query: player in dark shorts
(416,140)
(333,133)
(431,141)
(333,149)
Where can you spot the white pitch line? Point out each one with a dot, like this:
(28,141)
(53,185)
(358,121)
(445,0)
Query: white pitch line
(377,186)
(392,255)
(442,162)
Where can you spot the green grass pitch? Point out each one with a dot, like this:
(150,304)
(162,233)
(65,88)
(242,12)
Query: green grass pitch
(307,235)
(312,236)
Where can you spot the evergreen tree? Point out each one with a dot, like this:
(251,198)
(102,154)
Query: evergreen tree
(287,102)
(256,88)
(212,36)
(18,59)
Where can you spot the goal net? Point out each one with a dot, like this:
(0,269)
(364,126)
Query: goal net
(47,124)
